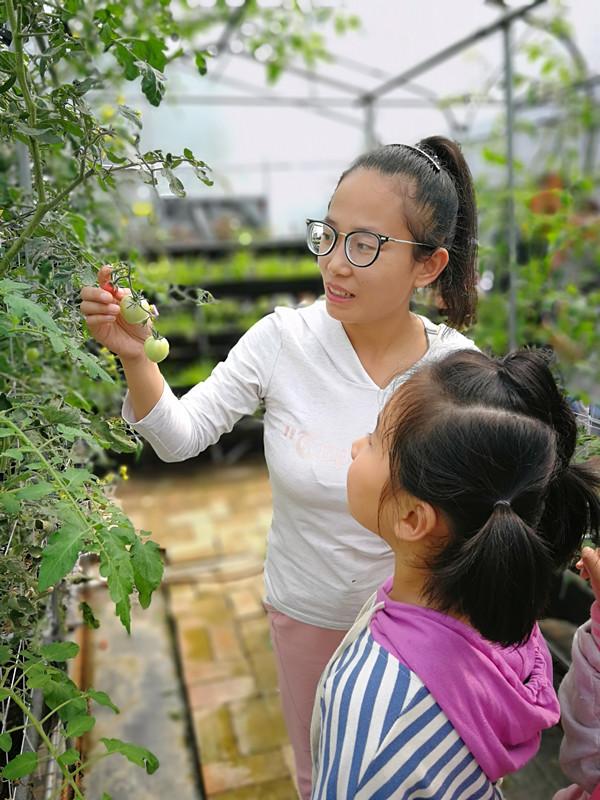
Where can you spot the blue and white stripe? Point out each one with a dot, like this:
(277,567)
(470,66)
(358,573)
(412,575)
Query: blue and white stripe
(380,734)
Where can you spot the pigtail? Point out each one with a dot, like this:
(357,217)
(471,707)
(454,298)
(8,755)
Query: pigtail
(572,509)
(502,574)
(458,282)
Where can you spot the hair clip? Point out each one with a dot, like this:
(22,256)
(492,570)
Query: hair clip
(430,158)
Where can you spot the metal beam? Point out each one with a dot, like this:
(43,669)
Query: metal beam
(303,101)
(511,222)
(448,52)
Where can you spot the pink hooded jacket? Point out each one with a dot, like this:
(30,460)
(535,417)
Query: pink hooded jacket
(498,699)
(579,695)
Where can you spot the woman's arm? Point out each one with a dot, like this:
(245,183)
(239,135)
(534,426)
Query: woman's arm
(145,384)
(178,429)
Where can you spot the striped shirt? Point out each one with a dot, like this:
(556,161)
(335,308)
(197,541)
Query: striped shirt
(378,733)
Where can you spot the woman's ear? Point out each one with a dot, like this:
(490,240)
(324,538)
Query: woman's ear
(417,520)
(428,271)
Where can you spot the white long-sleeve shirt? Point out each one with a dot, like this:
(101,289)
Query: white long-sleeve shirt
(321,565)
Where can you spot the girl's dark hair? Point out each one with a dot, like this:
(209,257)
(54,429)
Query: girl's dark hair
(489,443)
(440,210)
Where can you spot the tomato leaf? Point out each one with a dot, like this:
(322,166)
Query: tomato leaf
(88,616)
(35,491)
(103,699)
(131,114)
(23,307)
(80,725)
(10,502)
(70,756)
(59,651)
(147,569)
(60,554)
(116,567)
(153,85)
(137,755)
(20,766)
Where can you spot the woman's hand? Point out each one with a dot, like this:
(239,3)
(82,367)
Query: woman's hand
(100,308)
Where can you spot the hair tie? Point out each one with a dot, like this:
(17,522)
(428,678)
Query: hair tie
(502,503)
(429,157)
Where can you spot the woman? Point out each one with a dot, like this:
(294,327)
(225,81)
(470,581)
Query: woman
(401,218)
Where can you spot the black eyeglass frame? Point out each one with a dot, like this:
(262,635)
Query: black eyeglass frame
(381,239)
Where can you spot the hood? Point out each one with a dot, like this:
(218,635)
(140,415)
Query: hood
(498,699)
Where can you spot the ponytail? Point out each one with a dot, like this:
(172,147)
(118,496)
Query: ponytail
(458,282)
(522,382)
(440,210)
(502,575)
(572,510)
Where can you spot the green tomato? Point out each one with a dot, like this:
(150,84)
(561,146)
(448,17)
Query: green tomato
(32,354)
(134,311)
(156,349)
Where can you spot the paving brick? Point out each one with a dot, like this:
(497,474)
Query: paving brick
(244,771)
(195,672)
(225,643)
(214,693)
(181,596)
(258,724)
(262,665)
(255,634)
(274,790)
(189,550)
(195,644)
(240,538)
(206,609)
(216,736)
(246,603)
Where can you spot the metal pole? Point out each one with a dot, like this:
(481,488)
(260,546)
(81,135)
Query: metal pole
(510,186)
(370,135)
(448,52)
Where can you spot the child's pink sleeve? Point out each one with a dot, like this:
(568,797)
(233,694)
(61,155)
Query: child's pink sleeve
(595,614)
(579,696)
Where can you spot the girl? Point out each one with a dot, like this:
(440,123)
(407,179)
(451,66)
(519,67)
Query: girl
(444,682)
(401,218)
(579,695)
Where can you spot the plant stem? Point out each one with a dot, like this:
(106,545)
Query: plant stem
(13,19)
(20,241)
(16,698)
(55,474)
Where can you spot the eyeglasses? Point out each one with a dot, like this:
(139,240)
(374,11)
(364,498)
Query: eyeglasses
(361,247)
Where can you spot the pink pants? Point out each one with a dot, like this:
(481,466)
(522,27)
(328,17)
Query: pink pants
(301,652)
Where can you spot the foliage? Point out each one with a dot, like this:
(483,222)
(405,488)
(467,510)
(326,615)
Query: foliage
(60,158)
(242,265)
(556,208)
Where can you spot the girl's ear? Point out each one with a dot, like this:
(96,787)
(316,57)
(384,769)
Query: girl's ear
(418,520)
(428,271)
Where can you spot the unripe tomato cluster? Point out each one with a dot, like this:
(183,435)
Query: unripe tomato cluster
(136,310)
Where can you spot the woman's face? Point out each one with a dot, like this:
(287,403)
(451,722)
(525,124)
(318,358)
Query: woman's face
(367,200)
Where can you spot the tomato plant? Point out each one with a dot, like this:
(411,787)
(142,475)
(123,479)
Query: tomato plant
(60,160)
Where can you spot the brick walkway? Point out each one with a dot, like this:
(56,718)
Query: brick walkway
(213,525)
